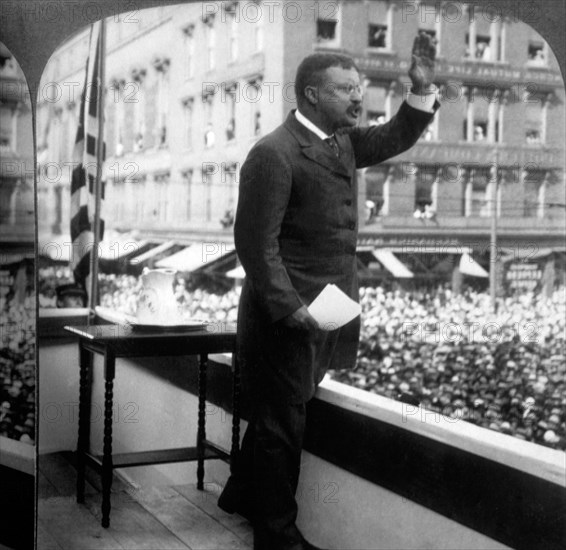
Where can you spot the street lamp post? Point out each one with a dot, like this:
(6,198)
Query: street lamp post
(493,237)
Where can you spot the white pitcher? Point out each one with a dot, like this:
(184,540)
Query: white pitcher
(156,303)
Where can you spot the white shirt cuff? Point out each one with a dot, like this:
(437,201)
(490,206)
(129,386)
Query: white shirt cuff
(423,102)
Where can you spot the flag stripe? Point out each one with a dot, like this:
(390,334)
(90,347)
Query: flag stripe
(77,179)
(81,252)
(93,103)
(83,182)
(91,145)
(80,221)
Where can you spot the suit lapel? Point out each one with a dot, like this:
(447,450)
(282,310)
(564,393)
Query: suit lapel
(317,150)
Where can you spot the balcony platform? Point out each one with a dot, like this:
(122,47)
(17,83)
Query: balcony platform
(157,517)
(375,473)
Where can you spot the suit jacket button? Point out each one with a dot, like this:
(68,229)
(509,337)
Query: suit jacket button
(352,226)
(348,202)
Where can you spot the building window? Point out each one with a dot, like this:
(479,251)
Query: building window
(325,30)
(377,36)
(207,180)
(259,30)
(229,182)
(227,220)
(380,19)
(161,211)
(138,76)
(477,195)
(257,123)
(253,96)
(481,50)
(187,176)
(161,65)
(534,186)
(53,140)
(230,171)
(377,102)
(431,131)
(233,37)
(425,190)
(72,124)
(537,54)
(479,130)
(328,28)
(231,9)
(209,135)
(536,107)
(483,116)
(117,88)
(533,137)
(119,197)
(231,112)
(210,42)
(485,37)
(189,43)
(188,111)
(377,180)
(138,184)
(7,143)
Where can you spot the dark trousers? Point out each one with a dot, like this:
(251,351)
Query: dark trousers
(266,473)
(281,368)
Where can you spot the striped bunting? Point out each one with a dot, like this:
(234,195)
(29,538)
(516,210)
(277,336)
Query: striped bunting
(83,181)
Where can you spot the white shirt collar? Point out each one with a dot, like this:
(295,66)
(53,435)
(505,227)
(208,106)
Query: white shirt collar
(309,125)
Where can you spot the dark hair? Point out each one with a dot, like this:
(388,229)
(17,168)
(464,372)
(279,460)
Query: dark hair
(311,67)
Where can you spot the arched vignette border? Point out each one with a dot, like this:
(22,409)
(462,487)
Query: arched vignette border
(33,40)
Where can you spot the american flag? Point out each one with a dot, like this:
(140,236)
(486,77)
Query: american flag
(83,181)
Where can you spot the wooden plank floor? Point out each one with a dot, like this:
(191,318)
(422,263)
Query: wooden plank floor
(152,518)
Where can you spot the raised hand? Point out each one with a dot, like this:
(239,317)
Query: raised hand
(421,71)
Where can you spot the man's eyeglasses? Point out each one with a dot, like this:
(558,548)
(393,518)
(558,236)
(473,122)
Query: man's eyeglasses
(346,88)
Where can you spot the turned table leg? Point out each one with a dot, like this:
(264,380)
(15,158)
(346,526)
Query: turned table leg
(201,432)
(109,372)
(85,392)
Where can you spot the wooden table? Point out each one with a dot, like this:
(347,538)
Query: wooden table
(112,341)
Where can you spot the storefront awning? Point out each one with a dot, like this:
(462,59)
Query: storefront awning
(152,252)
(392,264)
(113,249)
(15,258)
(196,256)
(236,273)
(468,266)
(435,249)
(55,247)
(525,253)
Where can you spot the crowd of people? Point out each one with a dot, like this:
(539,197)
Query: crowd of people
(504,370)
(17,356)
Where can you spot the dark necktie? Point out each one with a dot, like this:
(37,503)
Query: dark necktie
(333,144)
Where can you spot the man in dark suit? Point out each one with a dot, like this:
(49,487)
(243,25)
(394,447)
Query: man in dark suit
(295,231)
